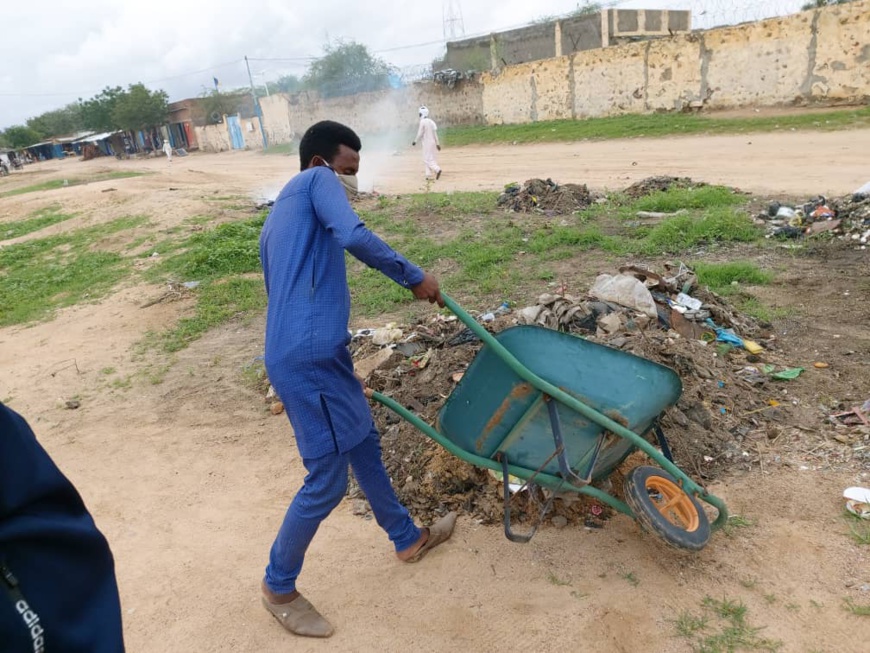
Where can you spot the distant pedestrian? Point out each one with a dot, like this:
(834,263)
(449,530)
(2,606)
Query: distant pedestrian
(167,149)
(427,134)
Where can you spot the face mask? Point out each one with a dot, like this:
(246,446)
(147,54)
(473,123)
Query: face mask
(349,182)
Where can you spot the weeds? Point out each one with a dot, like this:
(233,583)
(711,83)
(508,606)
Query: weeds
(217,302)
(857,609)
(630,578)
(859,529)
(555,580)
(720,277)
(688,624)
(733,633)
(735,523)
(38,220)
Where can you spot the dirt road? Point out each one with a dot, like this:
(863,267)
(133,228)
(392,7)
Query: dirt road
(189,477)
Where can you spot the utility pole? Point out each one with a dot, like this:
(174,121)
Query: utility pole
(454,26)
(257,108)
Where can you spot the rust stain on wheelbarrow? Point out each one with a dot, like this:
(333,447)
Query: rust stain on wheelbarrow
(519,392)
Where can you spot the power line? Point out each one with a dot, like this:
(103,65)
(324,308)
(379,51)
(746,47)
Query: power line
(152,81)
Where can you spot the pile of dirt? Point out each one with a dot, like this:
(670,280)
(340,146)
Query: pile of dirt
(652,185)
(546,197)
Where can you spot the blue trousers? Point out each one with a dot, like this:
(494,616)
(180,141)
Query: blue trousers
(324,487)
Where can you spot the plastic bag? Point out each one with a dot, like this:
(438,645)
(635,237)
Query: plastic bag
(626,291)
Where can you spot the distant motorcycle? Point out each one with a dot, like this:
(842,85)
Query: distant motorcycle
(4,169)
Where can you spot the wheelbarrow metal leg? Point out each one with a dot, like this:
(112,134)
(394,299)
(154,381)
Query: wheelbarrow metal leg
(508,531)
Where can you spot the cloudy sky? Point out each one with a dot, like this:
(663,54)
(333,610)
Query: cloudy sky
(55,51)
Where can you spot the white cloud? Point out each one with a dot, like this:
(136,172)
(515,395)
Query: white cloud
(54,51)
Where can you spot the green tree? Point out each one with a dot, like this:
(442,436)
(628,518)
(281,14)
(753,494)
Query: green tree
(96,113)
(345,69)
(216,105)
(139,108)
(287,84)
(21,136)
(58,122)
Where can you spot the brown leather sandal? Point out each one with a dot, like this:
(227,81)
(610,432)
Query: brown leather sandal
(300,617)
(439,532)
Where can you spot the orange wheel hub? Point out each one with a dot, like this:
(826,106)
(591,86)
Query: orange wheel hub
(674,505)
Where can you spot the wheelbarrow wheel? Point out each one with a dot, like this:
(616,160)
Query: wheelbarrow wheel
(660,505)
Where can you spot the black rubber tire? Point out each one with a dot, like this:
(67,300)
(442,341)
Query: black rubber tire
(651,519)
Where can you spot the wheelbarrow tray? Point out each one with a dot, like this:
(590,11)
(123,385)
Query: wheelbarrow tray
(494,412)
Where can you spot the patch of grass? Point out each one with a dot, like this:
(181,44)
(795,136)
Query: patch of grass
(753,307)
(62,183)
(652,126)
(38,220)
(676,199)
(121,384)
(749,583)
(39,276)
(454,204)
(735,523)
(816,604)
(859,530)
(720,276)
(579,595)
(218,301)
(792,607)
(254,374)
(856,608)
(231,248)
(770,598)
(732,632)
(630,578)
(106,371)
(555,580)
(688,625)
(684,232)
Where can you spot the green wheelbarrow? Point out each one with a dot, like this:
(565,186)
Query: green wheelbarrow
(560,412)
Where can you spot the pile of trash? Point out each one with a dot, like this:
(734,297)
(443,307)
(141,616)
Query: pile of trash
(847,218)
(661,184)
(729,365)
(546,197)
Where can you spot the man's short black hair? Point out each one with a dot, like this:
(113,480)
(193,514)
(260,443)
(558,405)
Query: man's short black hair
(324,139)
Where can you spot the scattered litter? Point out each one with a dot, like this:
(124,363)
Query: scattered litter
(821,366)
(847,218)
(789,374)
(277,408)
(72,404)
(858,501)
(190,285)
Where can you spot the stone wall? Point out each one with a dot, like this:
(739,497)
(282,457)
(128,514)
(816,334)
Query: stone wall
(814,57)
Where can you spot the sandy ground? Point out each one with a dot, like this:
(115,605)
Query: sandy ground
(189,478)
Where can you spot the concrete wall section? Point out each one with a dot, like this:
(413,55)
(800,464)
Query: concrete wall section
(602,87)
(756,63)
